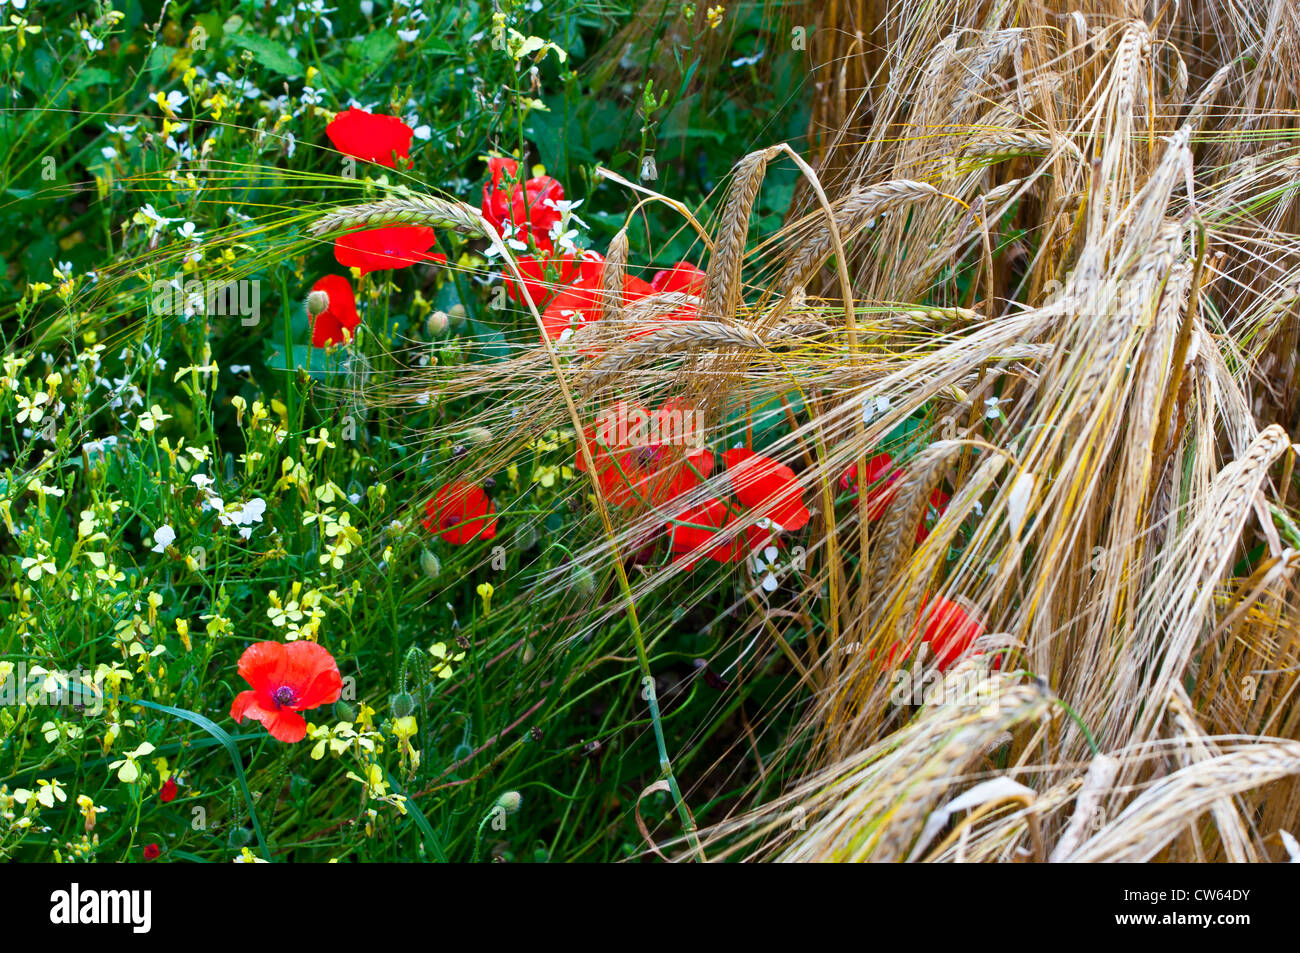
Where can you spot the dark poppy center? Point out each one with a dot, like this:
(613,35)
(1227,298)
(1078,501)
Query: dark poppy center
(450,520)
(647,458)
(284,696)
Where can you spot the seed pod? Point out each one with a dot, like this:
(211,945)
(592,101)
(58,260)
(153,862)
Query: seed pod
(581,580)
(344,712)
(317,302)
(429,564)
(436,324)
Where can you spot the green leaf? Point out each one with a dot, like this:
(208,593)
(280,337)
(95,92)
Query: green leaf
(91,76)
(211,727)
(377,49)
(160,58)
(430,836)
(268,52)
(315,361)
(488,341)
(767,418)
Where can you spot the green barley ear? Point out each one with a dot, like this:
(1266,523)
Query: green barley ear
(410,210)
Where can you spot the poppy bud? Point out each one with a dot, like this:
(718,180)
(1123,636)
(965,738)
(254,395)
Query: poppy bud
(478,435)
(239,836)
(429,564)
(317,302)
(436,324)
(526,536)
(510,802)
(344,712)
(581,580)
(456,315)
(401,704)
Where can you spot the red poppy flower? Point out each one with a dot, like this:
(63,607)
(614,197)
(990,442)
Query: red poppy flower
(503,175)
(567,312)
(693,535)
(525,211)
(151,851)
(549,275)
(581,303)
(167,793)
(683,277)
(374,249)
(882,476)
(372,137)
(340,314)
(703,531)
(285,680)
(459,513)
(769,488)
(949,630)
(646,458)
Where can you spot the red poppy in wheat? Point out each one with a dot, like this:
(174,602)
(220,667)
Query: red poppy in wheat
(372,137)
(580,304)
(374,249)
(768,487)
(167,793)
(151,851)
(948,629)
(882,478)
(647,457)
(550,275)
(285,680)
(461,513)
(336,323)
(695,534)
(683,277)
(522,211)
(503,180)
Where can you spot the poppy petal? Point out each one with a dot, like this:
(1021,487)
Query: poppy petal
(371,136)
(376,249)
